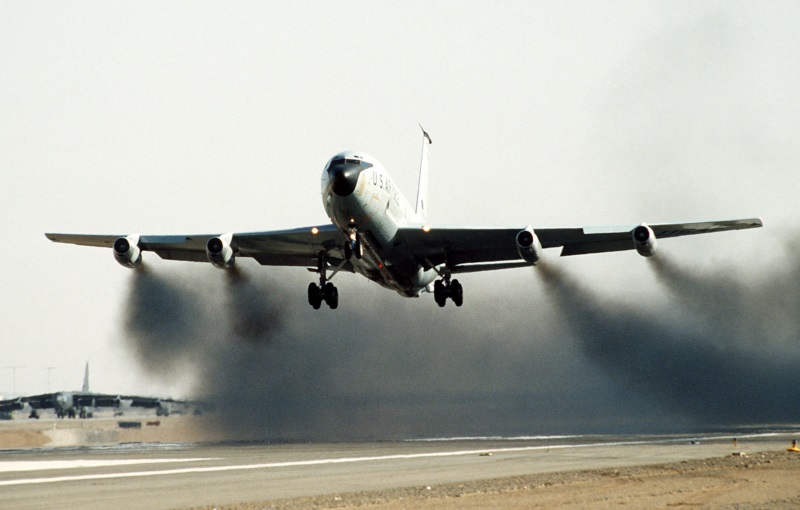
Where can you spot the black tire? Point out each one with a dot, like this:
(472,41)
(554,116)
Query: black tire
(457,293)
(357,249)
(348,250)
(331,295)
(439,293)
(314,296)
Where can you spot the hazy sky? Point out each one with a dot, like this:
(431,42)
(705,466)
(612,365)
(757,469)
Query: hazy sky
(199,117)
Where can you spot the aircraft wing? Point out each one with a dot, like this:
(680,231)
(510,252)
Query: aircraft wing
(469,249)
(14,404)
(294,247)
(43,401)
(95,400)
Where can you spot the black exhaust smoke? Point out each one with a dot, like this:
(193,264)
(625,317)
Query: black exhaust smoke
(702,361)
(564,359)
(378,368)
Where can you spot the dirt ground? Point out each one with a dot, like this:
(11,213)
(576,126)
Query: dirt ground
(766,480)
(25,433)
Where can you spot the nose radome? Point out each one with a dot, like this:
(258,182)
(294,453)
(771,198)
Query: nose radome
(344,179)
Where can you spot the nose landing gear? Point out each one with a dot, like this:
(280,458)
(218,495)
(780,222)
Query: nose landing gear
(444,289)
(353,244)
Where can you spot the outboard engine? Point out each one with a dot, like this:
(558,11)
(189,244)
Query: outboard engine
(528,245)
(644,240)
(220,252)
(127,251)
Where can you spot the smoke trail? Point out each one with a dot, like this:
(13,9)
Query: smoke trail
(378,367)
(253,314)
(160,319)
(759,313)
(562,359)
(696,369)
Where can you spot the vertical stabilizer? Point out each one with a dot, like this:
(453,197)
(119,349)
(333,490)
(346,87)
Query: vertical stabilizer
(422,186)
(85,388)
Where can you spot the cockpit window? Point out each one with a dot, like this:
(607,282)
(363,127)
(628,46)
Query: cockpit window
(350,161)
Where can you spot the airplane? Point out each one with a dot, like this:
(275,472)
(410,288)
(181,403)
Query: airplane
(72,404)
(375,232)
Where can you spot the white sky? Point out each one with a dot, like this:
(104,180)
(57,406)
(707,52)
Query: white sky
(195,117)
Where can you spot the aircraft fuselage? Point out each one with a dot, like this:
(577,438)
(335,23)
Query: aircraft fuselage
(361,199)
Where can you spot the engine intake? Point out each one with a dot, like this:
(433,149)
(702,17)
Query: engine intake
(220,252)
(528,245)
(127,251)
(644,240)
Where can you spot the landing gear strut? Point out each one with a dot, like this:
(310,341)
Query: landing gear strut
(444,289)
(325,291)
(353,244)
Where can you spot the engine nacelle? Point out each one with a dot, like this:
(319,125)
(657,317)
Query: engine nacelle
(528,245)
(220,252)
(644,240)
(127,251)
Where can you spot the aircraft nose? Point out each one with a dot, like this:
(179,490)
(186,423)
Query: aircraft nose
(344,179)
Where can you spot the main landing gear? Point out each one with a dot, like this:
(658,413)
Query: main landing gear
(444,289)
(325,291)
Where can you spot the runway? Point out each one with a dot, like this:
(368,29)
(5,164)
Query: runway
(185,475)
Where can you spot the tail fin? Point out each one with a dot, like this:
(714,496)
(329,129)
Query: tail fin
(422,186)
(85,388)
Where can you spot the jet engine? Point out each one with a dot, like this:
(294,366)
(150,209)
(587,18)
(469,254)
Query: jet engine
(528,245)
(644,240)
(127,251)
(220,252)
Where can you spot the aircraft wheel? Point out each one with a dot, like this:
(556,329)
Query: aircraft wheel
(457,293)
(331,295)
(314,296)
(348,250)
(357,249)
(439,293)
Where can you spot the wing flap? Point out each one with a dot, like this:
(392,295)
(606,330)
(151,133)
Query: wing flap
(296,247)
(458,246)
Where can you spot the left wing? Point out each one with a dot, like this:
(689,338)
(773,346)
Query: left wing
(14,404)
(467,249)
(294,247)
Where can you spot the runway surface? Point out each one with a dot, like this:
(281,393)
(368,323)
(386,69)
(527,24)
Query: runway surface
(185,475)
